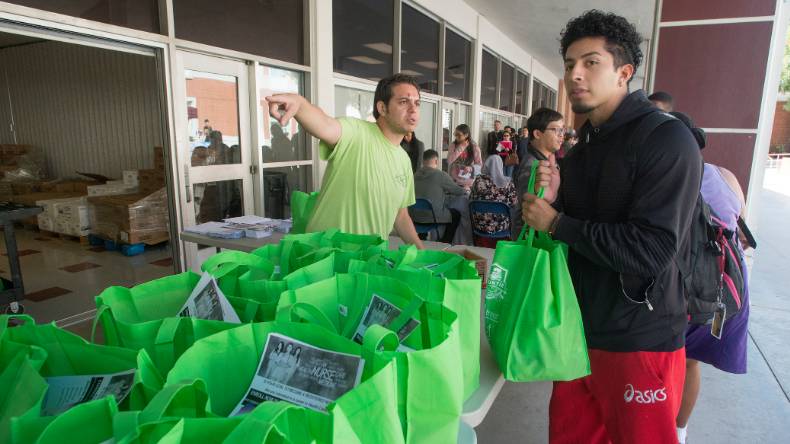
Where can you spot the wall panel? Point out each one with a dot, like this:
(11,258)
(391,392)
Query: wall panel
(88,109)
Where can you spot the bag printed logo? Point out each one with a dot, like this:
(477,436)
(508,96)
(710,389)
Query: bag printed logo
(497,278)
(644,397)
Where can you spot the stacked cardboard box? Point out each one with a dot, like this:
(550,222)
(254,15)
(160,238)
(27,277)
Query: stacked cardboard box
(151,180)
(130,218)
(10,156)
(130,178)
(73,218)
(111,188)
(66,216)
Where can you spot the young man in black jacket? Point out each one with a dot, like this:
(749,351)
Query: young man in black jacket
(625,213)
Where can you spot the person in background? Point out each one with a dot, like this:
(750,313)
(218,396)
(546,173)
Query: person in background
(625,212)
(546,132)
(414,148)
(504,148)
(721,191)
(567,144)
(521,147)
(494,186)
(207,129)
(433,184)
(463,157)
(494,136)
(368,185)
(662,100)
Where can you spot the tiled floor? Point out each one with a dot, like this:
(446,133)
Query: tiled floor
(62,277)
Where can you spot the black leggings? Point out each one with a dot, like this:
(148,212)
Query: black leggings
(449,230)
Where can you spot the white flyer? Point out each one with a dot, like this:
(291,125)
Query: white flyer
(382,312)
(299,373)
(208,302)
(65,392)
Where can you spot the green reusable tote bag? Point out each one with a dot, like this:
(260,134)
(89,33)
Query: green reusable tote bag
(100,421)
(461,294)
(141,317)
(227,362)
(302,205)
(430,378)
(247,282)
(68,354)
(300,250)
(532,316)
(22,389)
(272,253)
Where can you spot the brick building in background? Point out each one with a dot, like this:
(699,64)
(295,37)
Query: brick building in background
(780,136)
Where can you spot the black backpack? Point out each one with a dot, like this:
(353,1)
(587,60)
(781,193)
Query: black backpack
(712,273)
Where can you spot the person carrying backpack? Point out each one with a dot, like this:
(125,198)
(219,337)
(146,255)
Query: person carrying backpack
(722,194)
(624,209)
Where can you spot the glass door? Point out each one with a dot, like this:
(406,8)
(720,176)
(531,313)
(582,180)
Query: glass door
(449,119)
(213,139)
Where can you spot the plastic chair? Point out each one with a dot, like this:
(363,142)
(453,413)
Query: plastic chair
(485,206)
(423,228)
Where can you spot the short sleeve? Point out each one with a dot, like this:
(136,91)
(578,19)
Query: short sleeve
(349,130)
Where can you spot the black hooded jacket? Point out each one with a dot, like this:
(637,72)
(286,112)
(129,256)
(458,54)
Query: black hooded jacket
(626,218)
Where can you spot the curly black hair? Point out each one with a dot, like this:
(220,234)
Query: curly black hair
(622,39)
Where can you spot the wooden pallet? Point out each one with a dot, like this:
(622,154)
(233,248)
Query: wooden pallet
(83,240)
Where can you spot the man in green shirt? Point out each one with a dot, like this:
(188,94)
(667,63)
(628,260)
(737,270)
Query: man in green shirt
(368,184)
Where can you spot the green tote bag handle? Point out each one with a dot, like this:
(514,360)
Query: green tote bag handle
(530,187)
(214,264)
(376,338)
(188,400)
(6,319)
(303,311)
(110,336)
(261,423)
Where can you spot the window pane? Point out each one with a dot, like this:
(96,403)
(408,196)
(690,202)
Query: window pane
(274,28)
(279,183)
(213,118)
(426,128)
(138,14)
(447,126)
(458,62)
(522,92)
(362,36)
(280,143)
(506,91)
(351,102)
(537,89)
(215,201)
(486,126)
(466,115)
(420,51)
(488,80)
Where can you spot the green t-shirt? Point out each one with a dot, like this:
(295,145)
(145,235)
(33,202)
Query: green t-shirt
(367,180)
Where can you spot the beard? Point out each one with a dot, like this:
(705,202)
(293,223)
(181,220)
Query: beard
(580,108)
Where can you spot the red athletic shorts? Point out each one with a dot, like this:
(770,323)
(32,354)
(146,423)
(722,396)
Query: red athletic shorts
(628,398)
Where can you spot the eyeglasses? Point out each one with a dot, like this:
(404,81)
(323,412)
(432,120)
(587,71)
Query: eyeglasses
(558,131)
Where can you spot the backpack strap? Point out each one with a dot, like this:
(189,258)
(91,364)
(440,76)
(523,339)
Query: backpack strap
(639,135)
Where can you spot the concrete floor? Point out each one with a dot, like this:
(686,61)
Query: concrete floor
(92,270)
(750,408)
